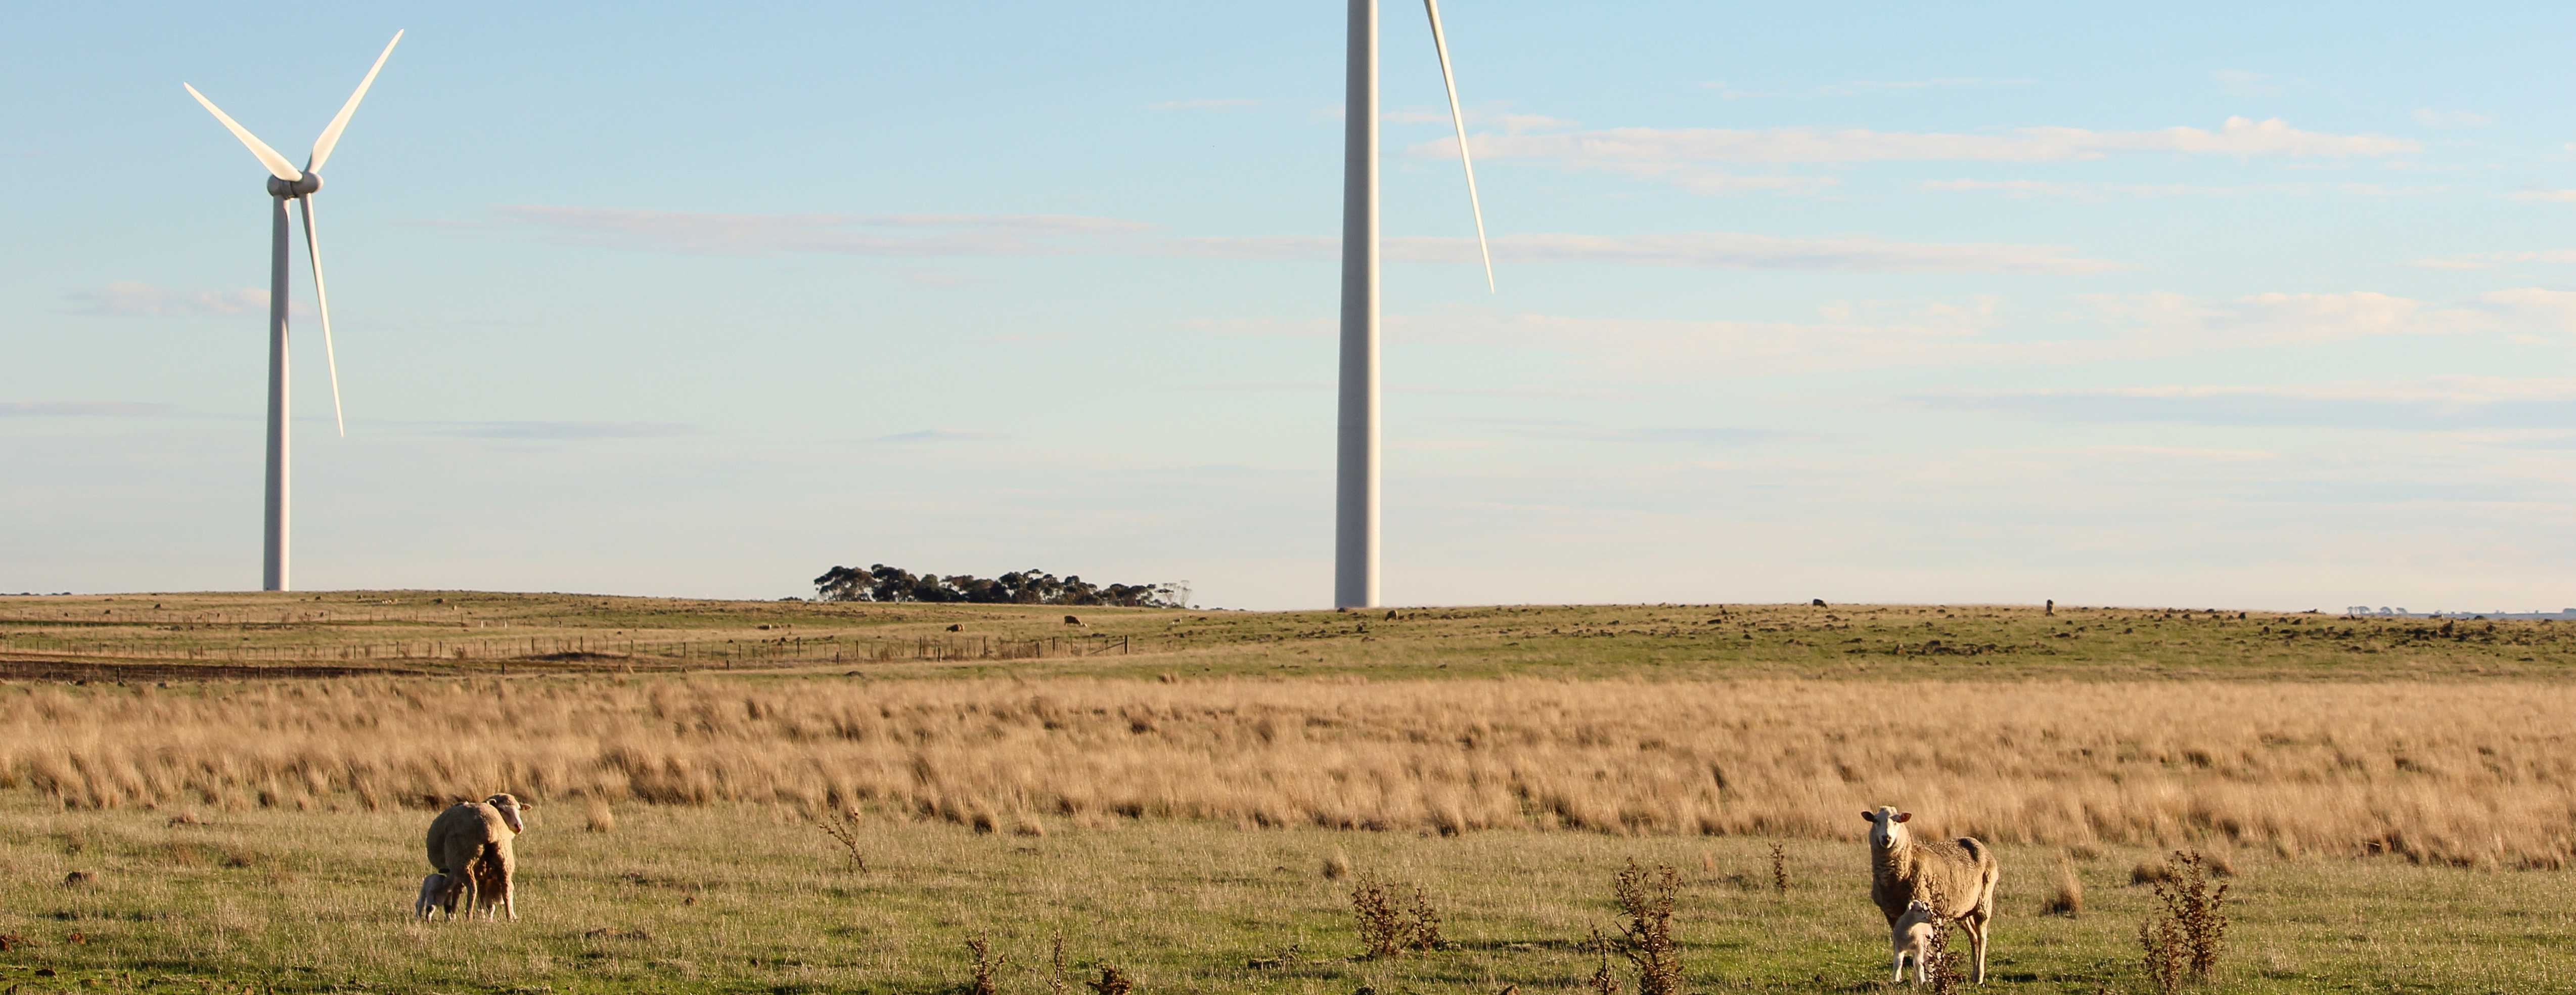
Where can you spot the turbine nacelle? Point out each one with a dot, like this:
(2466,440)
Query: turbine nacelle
(279,187)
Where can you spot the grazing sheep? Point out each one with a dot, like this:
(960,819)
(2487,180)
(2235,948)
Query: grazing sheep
(1955,879)
(470,845)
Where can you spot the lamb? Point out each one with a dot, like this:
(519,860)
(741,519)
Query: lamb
(433,891)
(1914,941)
(469,844)
(1954,880)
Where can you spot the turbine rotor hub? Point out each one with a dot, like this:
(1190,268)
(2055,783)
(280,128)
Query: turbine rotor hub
(283,188)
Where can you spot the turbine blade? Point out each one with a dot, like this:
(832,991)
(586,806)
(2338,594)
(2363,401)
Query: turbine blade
(322,303)
(1459,118)
(331,135)
(277,164)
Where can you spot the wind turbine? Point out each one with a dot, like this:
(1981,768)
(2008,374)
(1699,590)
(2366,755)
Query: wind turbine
(1355,518)
(289,183)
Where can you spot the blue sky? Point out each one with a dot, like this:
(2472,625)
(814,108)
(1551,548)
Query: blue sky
(2155,304)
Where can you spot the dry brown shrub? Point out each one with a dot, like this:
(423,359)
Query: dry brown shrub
(1648,938)
(2446,774)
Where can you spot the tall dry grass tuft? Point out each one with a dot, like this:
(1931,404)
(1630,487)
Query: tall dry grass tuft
(599,819)
(2069,898)
(2467,774)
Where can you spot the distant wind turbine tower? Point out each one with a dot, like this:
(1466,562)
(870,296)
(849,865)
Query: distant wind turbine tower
(1355,518)
(289,183)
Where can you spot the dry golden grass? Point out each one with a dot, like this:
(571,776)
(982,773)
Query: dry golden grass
(2472,774)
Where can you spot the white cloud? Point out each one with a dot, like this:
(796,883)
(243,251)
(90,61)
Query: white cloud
(956,235)
(1709,181)
(2549,196)
(2238,136)
(134,297)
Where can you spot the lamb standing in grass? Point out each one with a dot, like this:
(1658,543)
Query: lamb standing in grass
(469,844)
(1954,879)
(1914,932)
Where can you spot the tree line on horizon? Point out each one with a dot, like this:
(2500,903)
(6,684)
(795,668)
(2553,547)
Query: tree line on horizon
(882,583)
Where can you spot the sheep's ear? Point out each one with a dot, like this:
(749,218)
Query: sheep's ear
(1869,816)
(1902,816)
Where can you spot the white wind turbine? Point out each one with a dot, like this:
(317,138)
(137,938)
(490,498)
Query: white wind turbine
(1355,518)
(289,183)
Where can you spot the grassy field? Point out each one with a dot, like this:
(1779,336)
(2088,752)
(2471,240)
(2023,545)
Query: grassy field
(742,898)
(198,635)
(245,779)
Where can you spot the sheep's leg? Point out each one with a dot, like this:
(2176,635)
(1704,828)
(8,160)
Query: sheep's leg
(1897,940)
(1977,939)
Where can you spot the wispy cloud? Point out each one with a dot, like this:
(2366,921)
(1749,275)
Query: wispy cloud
(80,409)
(933,435)
(132,297)
(2238,136)
(2079,190)
(568,430)
(2430,405)
(1211,104)
(2494,260)
(2134,327)
(1857,87)
(913,235)
(2548,196)
(960,235)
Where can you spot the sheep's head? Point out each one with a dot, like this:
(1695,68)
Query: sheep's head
(1886,827)
(509,806)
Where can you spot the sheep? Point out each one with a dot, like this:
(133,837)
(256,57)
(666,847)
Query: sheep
(1954,879)
(1914,932)
(469,844)
(433,891)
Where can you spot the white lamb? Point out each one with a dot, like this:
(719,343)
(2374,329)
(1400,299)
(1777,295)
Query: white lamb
(1954,880)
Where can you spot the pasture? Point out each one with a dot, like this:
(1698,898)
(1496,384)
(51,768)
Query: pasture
(244,780)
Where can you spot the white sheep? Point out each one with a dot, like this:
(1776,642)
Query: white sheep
(1954,880)
(1914,932)
(469,844)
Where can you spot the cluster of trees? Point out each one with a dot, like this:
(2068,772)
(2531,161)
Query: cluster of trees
(1024,587)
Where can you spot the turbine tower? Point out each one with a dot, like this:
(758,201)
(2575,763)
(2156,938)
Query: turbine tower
(289,183)
(1355,511)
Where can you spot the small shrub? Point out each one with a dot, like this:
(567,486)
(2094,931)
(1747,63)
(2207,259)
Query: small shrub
(1426,922)
(1111,982)
(1055,962)
(1603,981)
(1779,870)
(985,965)
(1383,931)
(2191,930)
(1648,939)
(600,818)
(1337,866)
(842,827)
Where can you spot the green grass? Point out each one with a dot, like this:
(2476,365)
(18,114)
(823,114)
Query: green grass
(196,634)
(751,899)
